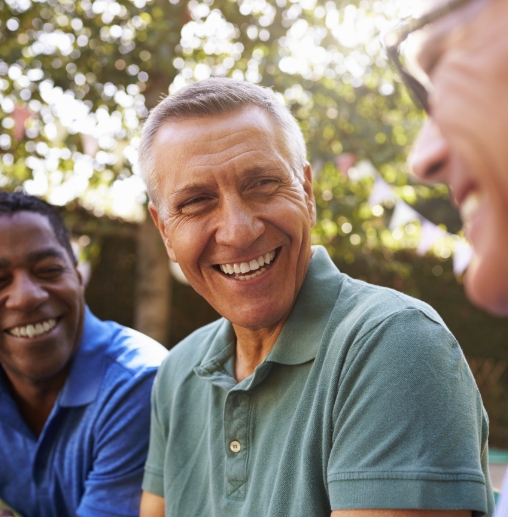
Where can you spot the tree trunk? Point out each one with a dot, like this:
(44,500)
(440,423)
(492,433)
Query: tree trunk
(153,284)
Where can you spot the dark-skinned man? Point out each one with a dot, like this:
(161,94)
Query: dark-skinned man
(74,391)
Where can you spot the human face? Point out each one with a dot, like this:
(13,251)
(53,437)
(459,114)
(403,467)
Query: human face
(463,143)
(41,300)
(228,197)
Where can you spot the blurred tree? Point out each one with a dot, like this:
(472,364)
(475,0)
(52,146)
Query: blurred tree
(77,77)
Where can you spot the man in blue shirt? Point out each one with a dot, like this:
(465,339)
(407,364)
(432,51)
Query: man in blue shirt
(74,391)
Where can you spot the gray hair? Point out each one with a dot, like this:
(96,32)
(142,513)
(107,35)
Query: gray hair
(216,96)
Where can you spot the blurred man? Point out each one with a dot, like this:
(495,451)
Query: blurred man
(462,82)
(459,75)
(74,391)
(316,394)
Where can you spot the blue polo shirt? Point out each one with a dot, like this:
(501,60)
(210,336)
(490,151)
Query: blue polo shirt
(365,401)
(88,460)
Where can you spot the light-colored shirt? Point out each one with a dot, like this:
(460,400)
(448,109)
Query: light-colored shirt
(502,504)
(88,460)
(365,401)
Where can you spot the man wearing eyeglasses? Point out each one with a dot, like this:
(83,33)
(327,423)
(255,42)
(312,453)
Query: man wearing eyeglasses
(458,73)
(460,77)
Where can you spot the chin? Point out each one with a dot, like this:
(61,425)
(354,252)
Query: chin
(255,319)
(487,286)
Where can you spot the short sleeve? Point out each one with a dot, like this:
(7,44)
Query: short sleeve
(113,486)
(409,428)
(153,480)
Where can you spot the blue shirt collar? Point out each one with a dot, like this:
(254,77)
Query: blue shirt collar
(85,374)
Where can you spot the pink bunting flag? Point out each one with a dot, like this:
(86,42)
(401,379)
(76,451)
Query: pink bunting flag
(20,115)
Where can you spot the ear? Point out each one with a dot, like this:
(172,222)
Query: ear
(309,193)
(157,219)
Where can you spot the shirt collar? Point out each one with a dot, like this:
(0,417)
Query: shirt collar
(301,335)
(85,373)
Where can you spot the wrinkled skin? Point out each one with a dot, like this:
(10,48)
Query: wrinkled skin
(464,142)
(228,195)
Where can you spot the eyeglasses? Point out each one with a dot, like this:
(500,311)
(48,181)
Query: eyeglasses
(395,37)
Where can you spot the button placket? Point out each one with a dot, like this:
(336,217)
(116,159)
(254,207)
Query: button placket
(236,433)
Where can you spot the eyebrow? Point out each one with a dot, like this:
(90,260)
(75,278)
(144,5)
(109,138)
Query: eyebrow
(44,253)
(35,256)
(200,187)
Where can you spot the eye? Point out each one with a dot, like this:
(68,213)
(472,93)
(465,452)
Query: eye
(49,272)
(265,185)
(4,280)
(196,204)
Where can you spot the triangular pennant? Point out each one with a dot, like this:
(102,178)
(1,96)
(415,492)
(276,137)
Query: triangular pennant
(90,145)
(363,169)
(430,234)
(402,215)
(20,115)
(381,192)
(462,257)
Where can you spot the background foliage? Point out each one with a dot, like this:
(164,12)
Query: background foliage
(78,76)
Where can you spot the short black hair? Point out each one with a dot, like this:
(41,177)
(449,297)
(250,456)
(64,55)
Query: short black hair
(13,202)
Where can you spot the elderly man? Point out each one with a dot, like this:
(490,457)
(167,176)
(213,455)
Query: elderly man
(316,394)
(74,391)
(460,77)
(460,62)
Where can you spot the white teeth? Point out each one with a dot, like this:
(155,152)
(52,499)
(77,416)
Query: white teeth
(469,206)
(254,265)
(245,267)
(31,330)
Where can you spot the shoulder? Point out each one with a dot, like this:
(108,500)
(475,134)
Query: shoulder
(370,324)
(181,360)
(363,307)
(129,350)
(190,352)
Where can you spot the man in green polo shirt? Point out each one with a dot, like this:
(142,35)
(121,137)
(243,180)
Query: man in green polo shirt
(315,394)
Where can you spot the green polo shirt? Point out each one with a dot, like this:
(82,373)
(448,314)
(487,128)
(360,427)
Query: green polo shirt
(365,401)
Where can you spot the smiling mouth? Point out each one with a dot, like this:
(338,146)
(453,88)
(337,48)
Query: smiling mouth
(33,330)
(248,270)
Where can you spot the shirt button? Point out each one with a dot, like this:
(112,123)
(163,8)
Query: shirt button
(235,446)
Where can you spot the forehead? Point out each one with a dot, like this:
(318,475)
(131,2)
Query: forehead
(213,142)
(425,6)
(24,232)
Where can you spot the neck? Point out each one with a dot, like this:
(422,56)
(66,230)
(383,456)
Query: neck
(252,347)
(35,399)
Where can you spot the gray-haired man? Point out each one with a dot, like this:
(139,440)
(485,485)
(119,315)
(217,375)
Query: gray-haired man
(315,394)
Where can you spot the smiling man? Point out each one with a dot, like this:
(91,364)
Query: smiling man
(315,394)
(74,391)
(458,74)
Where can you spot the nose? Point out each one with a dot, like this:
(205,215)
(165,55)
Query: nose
(238,225)
(430,156)
(25,294)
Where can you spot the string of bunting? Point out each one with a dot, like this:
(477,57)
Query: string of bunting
(403,214)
